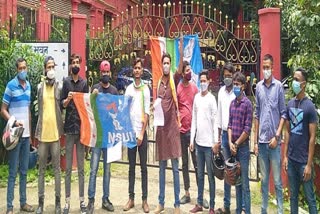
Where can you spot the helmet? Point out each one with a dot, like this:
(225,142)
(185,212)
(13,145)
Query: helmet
(11,134)
(218,165)
(33,157)
(104,66)
(232,173)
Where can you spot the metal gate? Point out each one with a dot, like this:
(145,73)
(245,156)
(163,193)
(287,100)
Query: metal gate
(221,40)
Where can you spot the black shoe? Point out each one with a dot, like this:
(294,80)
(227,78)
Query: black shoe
(107,205)
(83,207)
(90,207)
(205,204)
(185,199)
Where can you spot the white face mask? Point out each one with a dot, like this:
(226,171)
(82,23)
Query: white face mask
(267,74)
(50,74)
(203,86)
(166,69)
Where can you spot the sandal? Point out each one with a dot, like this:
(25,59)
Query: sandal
(9,212)
(27,208)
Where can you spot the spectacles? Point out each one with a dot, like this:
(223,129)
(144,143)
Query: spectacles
(50,67)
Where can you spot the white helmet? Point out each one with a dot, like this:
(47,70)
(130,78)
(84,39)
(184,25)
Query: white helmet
(11,134)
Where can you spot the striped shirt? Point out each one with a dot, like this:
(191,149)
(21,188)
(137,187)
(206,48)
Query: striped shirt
(18,100)
(240,117)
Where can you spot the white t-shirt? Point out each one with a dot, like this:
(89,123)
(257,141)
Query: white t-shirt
(203,125)
(140,100)
(224,100)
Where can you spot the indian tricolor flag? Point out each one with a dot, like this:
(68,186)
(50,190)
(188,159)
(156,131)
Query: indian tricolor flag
(191,53)
(104,120)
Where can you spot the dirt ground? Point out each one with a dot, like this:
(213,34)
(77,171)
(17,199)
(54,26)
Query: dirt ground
(119,193)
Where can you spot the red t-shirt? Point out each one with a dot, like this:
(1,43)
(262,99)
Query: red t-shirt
(185,95)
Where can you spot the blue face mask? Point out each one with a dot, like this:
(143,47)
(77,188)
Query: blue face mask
(237,90)
(296,86)
(22,75)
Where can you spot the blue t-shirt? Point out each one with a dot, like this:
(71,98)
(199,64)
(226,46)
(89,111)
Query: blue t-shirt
(18,100)
(300,114)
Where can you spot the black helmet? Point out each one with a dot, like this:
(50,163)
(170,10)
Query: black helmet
(218,165)
(232,173)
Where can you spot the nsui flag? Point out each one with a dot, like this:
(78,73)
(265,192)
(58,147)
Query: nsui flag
(191,53)
(105,121)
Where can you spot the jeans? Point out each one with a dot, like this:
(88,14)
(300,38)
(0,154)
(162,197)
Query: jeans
(267,157)
(94,165)
(162,181)
(185,142)
(204,157)
(132,154)
(18,159)
(243,190)
(295,175)
(72,139)
(43,150)
(226,155)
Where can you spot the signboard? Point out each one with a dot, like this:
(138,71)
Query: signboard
(60,53)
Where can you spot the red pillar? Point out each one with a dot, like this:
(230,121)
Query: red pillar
(270,27)
(78,39)
(43,22)
(8,9)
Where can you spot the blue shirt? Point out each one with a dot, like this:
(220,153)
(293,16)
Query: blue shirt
(18,100)
(300,114)
(270,107)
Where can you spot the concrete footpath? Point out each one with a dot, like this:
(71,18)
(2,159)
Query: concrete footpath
(119,193)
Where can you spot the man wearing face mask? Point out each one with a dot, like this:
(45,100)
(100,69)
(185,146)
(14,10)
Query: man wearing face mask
(73,83)
(239,129)
(269,120)
(16,102)
(103,86)
(48,131)
(204,133)
(186,91)
(225,97)
(300,137)
(168,137)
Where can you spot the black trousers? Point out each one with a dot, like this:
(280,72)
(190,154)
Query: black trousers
(132,154)
(185,142)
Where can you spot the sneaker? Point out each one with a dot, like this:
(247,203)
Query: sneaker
(66,209)
(211,211)
(223,210)
(83,207)
(107,205)
(196,209)
(185,199)
(205,204)
(90,206)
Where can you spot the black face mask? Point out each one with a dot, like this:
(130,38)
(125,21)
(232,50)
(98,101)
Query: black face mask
(105,79)
(75,70)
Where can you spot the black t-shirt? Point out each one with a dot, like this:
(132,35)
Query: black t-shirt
(111,89)
(72,120)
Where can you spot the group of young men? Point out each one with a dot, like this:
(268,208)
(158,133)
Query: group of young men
(193,121)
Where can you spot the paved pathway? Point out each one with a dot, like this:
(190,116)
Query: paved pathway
(119,194)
